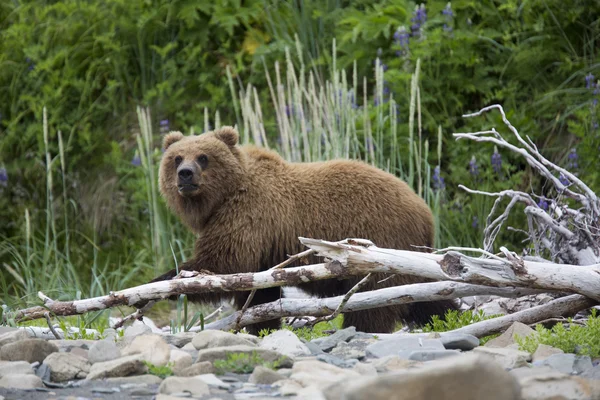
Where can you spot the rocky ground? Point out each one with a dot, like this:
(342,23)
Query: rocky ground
(345,365)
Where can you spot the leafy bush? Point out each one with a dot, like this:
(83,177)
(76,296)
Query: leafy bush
(160,371)
(454,319)
(242,363)
(309,333)
(579,339)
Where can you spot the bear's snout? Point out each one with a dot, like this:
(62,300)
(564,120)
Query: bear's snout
(185,175)
(187,179)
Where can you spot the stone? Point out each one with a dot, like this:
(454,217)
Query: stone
(212,380)
(264,376)
(30,350)
(124,366)
(288,387)
(508,358)
(285,342)
(136,329)
(508,337)
(254,339)
(593,373)
(78,351)
(448,379)
(309,373)
(393,345)
(146,379)
(365,369)
(459,341)
(152,348)
(337,361)
(200,368)
(68,345)
(15,367)
(13,336)
(21,381)
(220,353)
(180,360)
(356,348)
(66,366)
(103,350)
(313,347)
(214,338)
(427,355)
(544,351)
(179,339)
(567,363)
(43,371)
(393,363)
(285,372)
(195,386)
(547,384)
(343,335)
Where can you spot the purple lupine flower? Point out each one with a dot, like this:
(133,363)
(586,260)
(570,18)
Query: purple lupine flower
(475,222)
(401,39)
(449,16)
(136,161)
(496,161)
(3,177)
(418,19)
(573,157)
(563,179)
(473,168)
(164,126)
(589,81)
(288,111)
(438,180)
(31,64)
(543,204)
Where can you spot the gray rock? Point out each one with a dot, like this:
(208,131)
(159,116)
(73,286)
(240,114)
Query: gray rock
(103,350)
(264,376)
(43,371)
(139,379)
(30,350)
(508,358)
(508,337)
(15,367)
(448,379)
(459,341)
(200,368)
(13,336)
(220,353)
(427,355)
(193,385)
(393,363)
(136,329)
(593,373)
(214,338)
(337,361)
(353,349)
(393,345)
(342,335)
(544,351)
(180,360)
(21,381)
(364,369)
(67,345)
(544,383)
(124,366)
(315,373)
(66,366)
(567,363)
(254,339)
(152,349)
(179,339)
(212,380)
(285,342)
(313,347)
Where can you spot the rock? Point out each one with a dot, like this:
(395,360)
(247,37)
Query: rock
(544,351)
(220,353)
(152,348)
(249,337)
(364,369)
(508,358)
(200,368)
(15,367)
(67,345)
(459,341)
(285,342)
(337,361)
(393,363)
(356,348)
(343,335)
(427,355)
(309,373)
(180,360)
(136,329)
(547,384)
(145,379)
(78,351)
(567,363)
(214,338)
(103,350)
(393,345)
(593,373)
(124,366)
(193,385)
(288,387)
(448,379)
(66,366)
(179,339)
(43,371)
(21,381)
(313,347)
(212,380)
(30,350)
(508,337)
(13,336)
(264,376)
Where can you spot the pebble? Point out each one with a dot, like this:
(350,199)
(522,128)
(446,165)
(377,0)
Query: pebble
(343,335)
(285,342)
(174,385)
(124,366)
(103,350)
(459,341)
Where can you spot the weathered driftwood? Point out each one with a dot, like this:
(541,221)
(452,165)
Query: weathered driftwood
(510,270)
(418,292)
(563,306)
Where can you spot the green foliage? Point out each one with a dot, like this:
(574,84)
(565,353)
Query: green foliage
(160,371)
(309,333)
(242,363)
(181,323)
(453,319)
(580,339)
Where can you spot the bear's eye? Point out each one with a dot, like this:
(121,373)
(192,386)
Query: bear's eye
(178,160)
(203,161)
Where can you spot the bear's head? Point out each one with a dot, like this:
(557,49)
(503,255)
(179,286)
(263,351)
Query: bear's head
(197,173)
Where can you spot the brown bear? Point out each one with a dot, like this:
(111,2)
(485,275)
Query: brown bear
(248,206)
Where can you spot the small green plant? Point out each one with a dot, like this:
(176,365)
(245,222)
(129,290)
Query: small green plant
(160,371)
(307,332)
(181,322)
(243,363)
(454,319)
(580,339)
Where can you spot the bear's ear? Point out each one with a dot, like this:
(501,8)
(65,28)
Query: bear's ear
(171,137)
(228,135)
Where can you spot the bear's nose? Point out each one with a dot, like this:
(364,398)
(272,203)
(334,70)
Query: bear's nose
(185,174)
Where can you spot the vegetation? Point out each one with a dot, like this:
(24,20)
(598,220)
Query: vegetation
(572,338)
(87,94)
(160,371)
(309,333)
(454,320)
(242,363)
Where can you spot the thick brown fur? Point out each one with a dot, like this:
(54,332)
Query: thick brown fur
(250,206)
